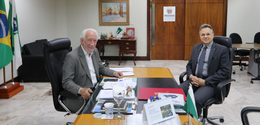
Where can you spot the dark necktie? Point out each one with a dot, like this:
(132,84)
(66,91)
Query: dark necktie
(201,62)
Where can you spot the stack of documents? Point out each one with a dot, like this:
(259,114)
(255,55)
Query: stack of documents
(124,82)
(108,94)
(127,71)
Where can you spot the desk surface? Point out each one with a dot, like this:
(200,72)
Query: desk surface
(143,74)
(88,119)
(152,73)
(246,46)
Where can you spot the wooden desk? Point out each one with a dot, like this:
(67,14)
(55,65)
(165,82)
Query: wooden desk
(151,76)
(156,72)
(125,46)
(152,73)
(88,119)
(246,46)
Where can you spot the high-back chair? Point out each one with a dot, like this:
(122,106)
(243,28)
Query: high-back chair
(55,52)
(257,38)
(236,39)
(222,89)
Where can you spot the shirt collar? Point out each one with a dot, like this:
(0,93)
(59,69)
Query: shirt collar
(85,52)
(209,46)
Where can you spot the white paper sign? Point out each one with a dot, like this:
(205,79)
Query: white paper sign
(169,13)
(158,111)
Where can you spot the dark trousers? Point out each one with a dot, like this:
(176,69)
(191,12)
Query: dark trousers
(201,94)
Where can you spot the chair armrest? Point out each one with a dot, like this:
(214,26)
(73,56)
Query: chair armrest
(246,110)
(219,90)
(181,77)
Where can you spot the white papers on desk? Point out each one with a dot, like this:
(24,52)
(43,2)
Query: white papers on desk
(126,69)
(128,74)
(108,94)
(124,82)
(177,99)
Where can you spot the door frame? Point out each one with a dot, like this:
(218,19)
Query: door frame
(148,56)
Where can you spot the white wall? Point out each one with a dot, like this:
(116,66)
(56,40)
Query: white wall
(243,18)
(67,18)
(50,19)
(37,19)
(85,14)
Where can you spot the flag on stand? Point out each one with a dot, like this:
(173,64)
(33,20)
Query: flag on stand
(190,105)
(6,54)
(14,34)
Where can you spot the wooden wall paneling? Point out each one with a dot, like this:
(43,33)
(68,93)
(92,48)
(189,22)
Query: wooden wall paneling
(198,12)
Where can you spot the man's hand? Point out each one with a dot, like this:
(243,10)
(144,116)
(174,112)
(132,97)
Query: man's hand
(85,93)
(118,74)
(197,81)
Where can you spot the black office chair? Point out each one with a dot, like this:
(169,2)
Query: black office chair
(55,52)
(222,89)
(246,110)
(236,39)
(257,38)
(256,60)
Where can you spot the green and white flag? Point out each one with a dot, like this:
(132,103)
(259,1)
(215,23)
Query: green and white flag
(190,105)
(14,34)
(6,54)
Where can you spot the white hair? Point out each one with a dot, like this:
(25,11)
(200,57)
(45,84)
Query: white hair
(83,33)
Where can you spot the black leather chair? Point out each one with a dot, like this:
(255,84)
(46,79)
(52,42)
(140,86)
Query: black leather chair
(257,38)
(246,110)
(55,52)
(222,89)
(256,60)
(236,39)
(33,69)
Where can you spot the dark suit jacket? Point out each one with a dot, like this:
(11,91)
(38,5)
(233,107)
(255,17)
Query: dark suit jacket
(217,63)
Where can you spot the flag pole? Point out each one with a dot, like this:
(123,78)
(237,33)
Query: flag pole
(12,70)
(4,78)
(189,119)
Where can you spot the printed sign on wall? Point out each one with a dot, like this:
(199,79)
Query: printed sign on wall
(169,13)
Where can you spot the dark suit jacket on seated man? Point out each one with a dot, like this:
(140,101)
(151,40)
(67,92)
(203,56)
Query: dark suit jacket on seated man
(213,70)
(82,68)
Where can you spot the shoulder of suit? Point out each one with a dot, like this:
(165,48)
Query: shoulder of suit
(219,45)
(74,52)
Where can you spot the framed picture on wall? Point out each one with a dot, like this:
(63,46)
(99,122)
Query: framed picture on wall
(113,12)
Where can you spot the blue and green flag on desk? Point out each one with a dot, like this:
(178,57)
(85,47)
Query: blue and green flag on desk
(6,54)
(190,105)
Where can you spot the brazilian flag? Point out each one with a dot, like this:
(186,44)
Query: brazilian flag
(6,54)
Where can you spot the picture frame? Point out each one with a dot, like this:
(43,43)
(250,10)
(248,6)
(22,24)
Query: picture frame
(113,12)
(130,32)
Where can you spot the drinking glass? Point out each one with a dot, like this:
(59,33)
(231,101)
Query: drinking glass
(119,97)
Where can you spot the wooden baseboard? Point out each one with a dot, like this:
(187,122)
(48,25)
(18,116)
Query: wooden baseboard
(10,90)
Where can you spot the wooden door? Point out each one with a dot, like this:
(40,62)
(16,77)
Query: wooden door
(169,36)
(198,12)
